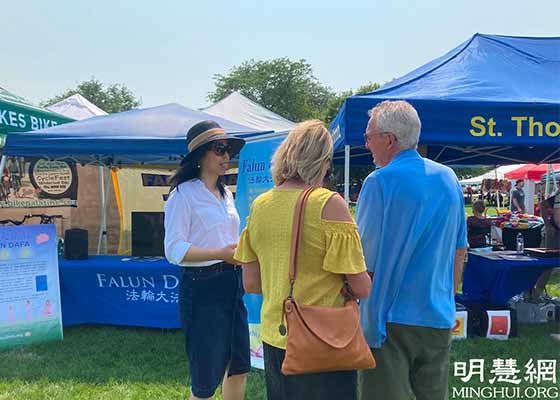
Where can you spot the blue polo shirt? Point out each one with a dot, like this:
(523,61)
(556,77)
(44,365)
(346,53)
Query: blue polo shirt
(411,219)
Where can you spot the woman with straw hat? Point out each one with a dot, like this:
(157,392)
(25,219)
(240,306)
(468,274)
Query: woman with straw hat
(201,234)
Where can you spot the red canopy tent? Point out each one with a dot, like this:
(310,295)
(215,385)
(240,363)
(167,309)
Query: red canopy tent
(533,172)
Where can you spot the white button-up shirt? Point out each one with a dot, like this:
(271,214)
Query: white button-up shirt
(194,216)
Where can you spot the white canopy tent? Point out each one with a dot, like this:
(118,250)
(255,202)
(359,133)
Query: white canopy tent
(240,109)
(79,108)
(497,173)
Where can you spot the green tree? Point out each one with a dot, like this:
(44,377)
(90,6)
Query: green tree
(471,172)
(358,173)
(367,88)
(113,99)
(285,87)
(336,101)
(333,105)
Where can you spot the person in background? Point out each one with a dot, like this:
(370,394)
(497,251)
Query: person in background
(469,194)
(329,252)
(15,169)
(550,212)
(478,226)
(201,233)
(518,197)
(411,219)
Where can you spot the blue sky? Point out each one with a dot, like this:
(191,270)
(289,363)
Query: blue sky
(168,51)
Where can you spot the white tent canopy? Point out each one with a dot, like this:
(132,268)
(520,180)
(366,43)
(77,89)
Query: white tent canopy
(497,173)
(240,109)
(77,107)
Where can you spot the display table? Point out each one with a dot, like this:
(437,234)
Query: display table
(117,290)
(495,277)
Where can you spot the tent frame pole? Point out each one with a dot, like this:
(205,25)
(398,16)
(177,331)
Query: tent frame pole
(102,237)
(347,173)
(498,192)
(2,163)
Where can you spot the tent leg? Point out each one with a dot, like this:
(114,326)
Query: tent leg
(2,163)
(498,192)
(103,221)
(529,196)
(347,173)
(554,183)
(547,181)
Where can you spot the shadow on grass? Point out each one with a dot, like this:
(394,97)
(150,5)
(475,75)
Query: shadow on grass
(99,354)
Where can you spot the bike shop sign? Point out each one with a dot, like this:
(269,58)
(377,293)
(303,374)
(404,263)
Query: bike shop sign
(32,183)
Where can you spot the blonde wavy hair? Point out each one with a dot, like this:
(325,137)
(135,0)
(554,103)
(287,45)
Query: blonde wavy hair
(303,153)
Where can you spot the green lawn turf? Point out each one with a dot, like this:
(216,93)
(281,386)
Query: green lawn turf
(97,362)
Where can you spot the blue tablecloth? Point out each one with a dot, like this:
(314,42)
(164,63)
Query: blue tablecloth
(494,278)
(116,290)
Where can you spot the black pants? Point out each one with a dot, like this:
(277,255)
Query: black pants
(340,385)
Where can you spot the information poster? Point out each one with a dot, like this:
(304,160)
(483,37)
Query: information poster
(459,330)
(253,179)
(38,183)
(29,285)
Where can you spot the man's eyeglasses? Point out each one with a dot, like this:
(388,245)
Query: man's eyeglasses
(368,137)
(221,149)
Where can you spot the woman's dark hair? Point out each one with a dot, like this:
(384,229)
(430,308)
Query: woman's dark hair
(190,169)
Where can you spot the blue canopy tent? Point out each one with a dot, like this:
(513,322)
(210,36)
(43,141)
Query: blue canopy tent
(492,100)
(152,136)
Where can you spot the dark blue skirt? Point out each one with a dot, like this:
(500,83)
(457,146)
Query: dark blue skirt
(214,320)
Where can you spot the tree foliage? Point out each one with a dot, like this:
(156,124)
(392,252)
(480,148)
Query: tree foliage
(283,86)
(336,101)
(113,99)
(471,172)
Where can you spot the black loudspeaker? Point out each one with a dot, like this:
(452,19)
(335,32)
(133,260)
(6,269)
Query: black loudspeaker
(76,244)
(148,233)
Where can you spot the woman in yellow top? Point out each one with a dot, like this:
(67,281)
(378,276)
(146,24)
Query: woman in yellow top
(330,246)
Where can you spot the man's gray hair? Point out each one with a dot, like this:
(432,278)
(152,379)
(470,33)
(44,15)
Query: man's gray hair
(399,118)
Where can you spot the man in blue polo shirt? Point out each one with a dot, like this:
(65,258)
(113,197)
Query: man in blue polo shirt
(411,219)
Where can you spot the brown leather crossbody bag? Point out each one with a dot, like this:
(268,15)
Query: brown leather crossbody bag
(320,338)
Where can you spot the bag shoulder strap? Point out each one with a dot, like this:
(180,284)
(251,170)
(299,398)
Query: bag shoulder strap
(297,228)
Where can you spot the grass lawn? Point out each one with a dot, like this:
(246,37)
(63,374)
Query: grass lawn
(100,362)
(126,363)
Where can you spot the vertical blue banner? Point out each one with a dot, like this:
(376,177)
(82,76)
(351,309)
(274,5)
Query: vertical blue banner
(254,177)
(29,285)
